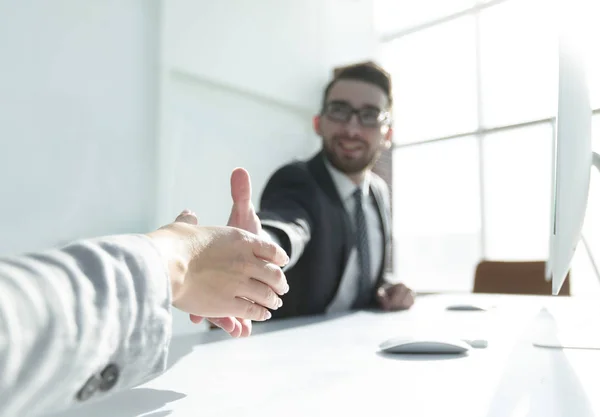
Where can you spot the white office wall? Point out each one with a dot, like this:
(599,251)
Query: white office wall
(78,85)
(81,103)
(213,130)
(240,83)
(281,49)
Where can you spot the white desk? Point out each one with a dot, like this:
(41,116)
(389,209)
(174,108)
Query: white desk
(331,367)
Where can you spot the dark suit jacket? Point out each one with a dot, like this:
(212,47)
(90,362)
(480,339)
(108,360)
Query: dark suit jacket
(301,205)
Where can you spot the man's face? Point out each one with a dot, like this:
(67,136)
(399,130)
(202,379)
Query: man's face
(353,142)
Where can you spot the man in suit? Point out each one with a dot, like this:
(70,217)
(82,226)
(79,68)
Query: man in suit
(332,214)
(92,318)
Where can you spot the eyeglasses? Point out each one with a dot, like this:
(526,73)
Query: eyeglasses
(341,111)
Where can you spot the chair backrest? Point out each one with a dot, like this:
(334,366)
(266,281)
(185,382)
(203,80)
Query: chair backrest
(503,277)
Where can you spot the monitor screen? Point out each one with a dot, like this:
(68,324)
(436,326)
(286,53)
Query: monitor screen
(573,144)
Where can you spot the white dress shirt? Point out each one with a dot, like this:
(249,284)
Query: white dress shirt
(349,286)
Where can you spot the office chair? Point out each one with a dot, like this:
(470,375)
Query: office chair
(519,277)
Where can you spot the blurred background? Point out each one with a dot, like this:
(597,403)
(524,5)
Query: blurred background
(117,114)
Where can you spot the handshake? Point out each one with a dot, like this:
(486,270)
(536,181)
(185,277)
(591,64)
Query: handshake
(232,275)
(228,275)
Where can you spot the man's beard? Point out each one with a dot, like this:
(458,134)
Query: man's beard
(349,165)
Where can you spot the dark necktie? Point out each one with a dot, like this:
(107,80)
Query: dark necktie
(364,256)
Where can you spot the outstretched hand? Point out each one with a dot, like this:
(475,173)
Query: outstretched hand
(221,271)
(242,216)
(234,326)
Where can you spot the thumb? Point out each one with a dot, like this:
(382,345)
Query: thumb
(196,319)
(241,188)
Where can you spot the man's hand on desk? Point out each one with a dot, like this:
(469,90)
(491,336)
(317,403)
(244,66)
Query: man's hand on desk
(243,216)
(395,297)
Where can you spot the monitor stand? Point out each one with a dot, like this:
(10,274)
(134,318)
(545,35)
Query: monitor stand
(584,342)
(588,250)
(585,338)
(568,329)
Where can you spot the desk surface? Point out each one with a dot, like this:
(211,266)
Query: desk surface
(331,366)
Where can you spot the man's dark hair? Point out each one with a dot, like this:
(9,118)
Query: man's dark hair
(367,72)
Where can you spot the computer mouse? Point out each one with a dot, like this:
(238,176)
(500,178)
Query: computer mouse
(467,307)
(424,345)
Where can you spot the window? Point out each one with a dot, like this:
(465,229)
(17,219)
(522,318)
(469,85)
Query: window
(516,175)
(433,80)
(392,16)
(518,66)
(475,86)
(436,218)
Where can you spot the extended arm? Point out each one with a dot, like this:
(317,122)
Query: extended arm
(285,209)
(79,321)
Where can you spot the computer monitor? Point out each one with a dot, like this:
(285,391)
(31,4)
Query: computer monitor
(572,154)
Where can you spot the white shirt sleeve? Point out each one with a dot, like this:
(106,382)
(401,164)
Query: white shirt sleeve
(81,322)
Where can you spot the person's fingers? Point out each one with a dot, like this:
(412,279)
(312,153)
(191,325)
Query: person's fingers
(246,327)
(242,327)
(401,291)
(269,252)
(403,297)
(241,188)
(268,274)
(245,309)
(260,293)
(409,299)
(225,323)
(384,299)
(196,319)
(237,330)
(187,216)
